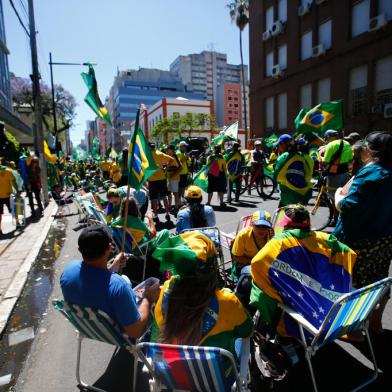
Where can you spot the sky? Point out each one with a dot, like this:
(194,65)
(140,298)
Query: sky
(116,33)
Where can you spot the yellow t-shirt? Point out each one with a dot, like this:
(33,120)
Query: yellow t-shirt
(244,244)
(173,175)
(185,162)
(6,181)
(106,166)
(160,158)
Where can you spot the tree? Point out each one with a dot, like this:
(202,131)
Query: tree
(22,95)
(239,13)
(163,127)
(189,122)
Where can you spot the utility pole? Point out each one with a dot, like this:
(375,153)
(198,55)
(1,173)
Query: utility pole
(38,131)
(53,97)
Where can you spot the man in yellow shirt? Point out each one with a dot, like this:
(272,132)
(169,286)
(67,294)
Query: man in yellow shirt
(106,166)
(157,185)
(7,183)
(185,162)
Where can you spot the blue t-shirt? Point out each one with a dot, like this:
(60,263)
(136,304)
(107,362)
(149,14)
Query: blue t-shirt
(101,289)
(184,220)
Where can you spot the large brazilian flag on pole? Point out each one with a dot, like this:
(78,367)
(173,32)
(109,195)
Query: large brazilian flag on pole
(321,118)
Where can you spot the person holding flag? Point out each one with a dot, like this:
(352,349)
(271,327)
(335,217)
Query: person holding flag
(234,163)
(216,176)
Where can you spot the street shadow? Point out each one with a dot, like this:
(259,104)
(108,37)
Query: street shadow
(249,204)
(118,376)
(225,209)
(165,225)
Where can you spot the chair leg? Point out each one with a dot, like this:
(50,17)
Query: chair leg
(308,357)
(80,382)
(135,363)
(375,372)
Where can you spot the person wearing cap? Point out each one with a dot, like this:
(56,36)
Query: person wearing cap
(192,309)
(7,184)
(250,240)
(353,137)
(157,184)
(304,269)
(234,163)
(195,214)
(365,219)
(94,283)
(216,175)
(185,162)
(257,156)
(173,178)
(293,173)
(336,159)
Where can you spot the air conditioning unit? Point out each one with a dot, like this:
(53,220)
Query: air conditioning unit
(277,28)
(304,9)
(318,50)
(277,71)
(377,22)
(318,2)
(266,35)
(377,108)
(387,109)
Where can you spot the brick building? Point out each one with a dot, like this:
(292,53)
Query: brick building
(229,104)
(303,52)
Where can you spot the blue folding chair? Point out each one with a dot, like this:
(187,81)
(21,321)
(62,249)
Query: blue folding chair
(97,325)
(195,368)
(348,314)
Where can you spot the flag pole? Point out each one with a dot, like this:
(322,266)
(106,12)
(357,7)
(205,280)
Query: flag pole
(129,163)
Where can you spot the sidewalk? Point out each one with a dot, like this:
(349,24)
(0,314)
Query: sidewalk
(18,251)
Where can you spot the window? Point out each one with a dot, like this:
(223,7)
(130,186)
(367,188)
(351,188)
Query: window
(358,90)
(269,63)
(236,105)
(269,18)
(306,96)
(269,112)
(324,90)
(306,46)
(229,98)
(283,56)
(325,34)
(385,7)
(229,111)
(235,98)
(384,81)
(282,114)
(360,15)
(282,10)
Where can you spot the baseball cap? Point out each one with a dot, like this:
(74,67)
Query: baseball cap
(258,143)
(261,218)
(284,138)
(301,217)
(330,133)
(353,137)
(194,192)
(93,241)
(183,143)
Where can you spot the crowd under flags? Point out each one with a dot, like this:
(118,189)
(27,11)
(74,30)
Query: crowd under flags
(227,134)
(79,154)
(92,98)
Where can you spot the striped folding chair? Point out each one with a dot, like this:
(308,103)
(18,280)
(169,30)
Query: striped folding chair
(194,368)
(96,325)
(348,314)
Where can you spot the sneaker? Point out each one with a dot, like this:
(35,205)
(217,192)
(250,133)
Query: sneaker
(223,205)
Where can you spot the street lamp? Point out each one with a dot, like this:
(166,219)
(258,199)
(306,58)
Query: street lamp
(51,63)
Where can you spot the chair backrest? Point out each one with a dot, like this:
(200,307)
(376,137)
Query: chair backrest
(351,310)
(93,324)
(244,222)
(276,219)
(130,242)
(190,368)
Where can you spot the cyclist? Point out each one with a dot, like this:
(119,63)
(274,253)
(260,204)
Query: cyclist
(257,159)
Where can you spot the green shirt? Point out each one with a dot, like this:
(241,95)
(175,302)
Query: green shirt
(345,157)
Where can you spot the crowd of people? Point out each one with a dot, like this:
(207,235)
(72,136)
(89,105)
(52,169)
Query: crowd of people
(192,306)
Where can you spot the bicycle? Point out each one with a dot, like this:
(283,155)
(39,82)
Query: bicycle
(323,210)
(256,178)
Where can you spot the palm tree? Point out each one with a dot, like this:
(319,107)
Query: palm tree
(239,13)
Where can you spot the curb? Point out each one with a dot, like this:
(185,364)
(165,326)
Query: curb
(15,288)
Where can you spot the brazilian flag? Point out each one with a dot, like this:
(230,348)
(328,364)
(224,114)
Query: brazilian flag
(79,154)
(141,164)
(92,98)
(324,116)
(234,163)
(201,177)
(270,140)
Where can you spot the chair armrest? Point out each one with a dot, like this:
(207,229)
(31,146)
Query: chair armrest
(244,358)
(299,319)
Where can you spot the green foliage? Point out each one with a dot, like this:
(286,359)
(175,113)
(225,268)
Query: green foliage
(239,12)
(10,148)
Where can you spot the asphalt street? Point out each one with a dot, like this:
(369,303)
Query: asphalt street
(51,362)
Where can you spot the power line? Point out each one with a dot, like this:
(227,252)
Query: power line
(19,18)
(24,9)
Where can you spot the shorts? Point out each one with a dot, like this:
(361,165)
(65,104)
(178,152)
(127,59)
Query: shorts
(217,184)
(7,202)
(172,186)
(183,180)
(157,189)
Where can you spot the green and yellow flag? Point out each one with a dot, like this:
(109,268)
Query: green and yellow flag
(270,140)
(201,177)
(79,154)
(182,253)
(324,116)
(92,98)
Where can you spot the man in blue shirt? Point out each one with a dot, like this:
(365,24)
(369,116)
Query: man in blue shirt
(94,283)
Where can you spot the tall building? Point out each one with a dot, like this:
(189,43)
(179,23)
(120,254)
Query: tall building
(207,73)
(134,87)
(306,52)
(229,104)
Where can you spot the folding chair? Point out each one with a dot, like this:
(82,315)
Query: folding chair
(195,368)
(94,215)
(96,325)
(348,314)
(131,246)
(276,219)
(18,209)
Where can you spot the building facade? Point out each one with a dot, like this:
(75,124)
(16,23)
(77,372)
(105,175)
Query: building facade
(207,73)
(229,104)
(306,52)
(144,86)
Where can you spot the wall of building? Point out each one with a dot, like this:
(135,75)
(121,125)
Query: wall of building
(275,102)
